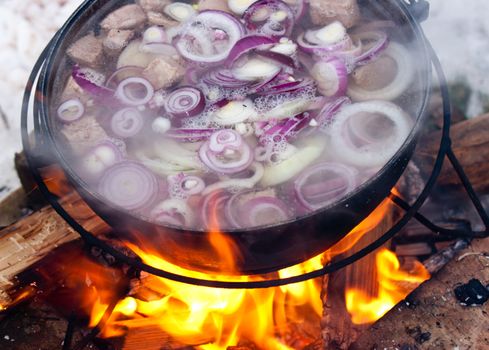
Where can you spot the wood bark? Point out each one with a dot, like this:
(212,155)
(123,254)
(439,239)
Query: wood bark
(470,142)
(33,237)
(338,331)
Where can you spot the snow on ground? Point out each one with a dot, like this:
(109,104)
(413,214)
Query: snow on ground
(25,26)
(458,29)
(459,32)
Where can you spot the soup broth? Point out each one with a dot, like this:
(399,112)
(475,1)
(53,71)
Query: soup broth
(234,114)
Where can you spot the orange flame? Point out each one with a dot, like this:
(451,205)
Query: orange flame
(394,285)
(212,318)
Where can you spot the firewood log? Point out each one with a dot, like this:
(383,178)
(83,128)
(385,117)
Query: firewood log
(470,142)
(34,237)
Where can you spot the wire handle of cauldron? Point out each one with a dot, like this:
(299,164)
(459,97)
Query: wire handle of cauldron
(419,9)
(445,151)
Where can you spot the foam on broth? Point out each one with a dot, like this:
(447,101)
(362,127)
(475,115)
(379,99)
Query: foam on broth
(254,156)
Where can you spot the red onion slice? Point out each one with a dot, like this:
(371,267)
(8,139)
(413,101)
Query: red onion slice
(226,152)
(91,83)
(185,102)
(324,184)
(297,86)
(321,49)
(278,131)
(224,78)
(325,117)
(278,57)
(377,42)
(224,139)
(331,77)
(127,122)
(135,91)
(388,124)
(203,24)
(70,111)
(128,185)
(248,43)
(270,17)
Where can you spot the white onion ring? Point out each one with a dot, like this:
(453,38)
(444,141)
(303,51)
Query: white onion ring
(365,156)
(66,115)
(127,122)
(122,94)
(401,82)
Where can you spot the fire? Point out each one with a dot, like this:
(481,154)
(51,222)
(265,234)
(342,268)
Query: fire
(394,285)
(213,319)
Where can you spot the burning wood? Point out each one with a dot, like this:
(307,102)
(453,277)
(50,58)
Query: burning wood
(433,309)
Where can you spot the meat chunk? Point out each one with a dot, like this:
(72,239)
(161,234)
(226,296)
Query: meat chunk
(221,5)
(125,17)
(83,134)
(377,74)
(73,90)
(153,5)
(87,51)
(324,12)
(160,19)
(116,40)
(164,72)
